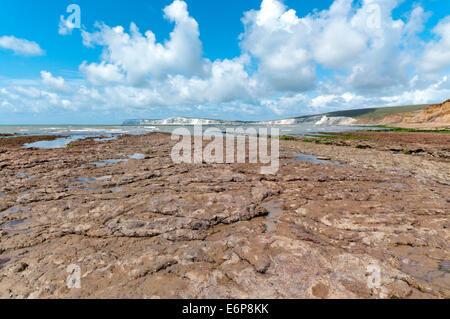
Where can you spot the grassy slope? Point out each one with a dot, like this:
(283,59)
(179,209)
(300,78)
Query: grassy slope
(378,113)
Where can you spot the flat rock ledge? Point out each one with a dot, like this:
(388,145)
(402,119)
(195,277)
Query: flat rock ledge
(148,228)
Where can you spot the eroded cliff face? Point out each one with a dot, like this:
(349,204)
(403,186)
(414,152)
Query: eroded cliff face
(437,115)
(146,227)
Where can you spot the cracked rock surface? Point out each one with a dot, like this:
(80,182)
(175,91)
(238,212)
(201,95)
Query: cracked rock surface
(144,227)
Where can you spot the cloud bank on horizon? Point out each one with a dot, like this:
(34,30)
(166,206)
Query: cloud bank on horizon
(347,56)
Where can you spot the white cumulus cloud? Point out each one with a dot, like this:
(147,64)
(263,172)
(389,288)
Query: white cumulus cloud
(437,54)
(141,57)
(56,83)
(20,46)
(101,74)
(279,40)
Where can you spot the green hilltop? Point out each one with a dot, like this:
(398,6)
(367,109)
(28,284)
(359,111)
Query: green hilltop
(378,113)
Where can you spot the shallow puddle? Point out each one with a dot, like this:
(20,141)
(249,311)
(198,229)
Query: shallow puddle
(15,210)
(444,266)
(314,159)
(2,195)
(397,185)
(275,213)
(4,261)
(24,175)
(57,143)
(84,180)
(104,139)
(103,178)
(137,156)
(15,223)
(21,232)
(417,264)
(108,162)
(10,227)
(88,181)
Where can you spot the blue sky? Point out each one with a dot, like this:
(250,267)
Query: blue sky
(252,59)
(219,22)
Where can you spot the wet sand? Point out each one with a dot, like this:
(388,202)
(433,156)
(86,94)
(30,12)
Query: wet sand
(140,226)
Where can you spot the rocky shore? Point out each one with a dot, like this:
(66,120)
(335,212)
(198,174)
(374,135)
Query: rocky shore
(139,226)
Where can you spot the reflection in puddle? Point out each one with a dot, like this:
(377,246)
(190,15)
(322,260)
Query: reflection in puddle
(9,227)
(2,195)
(426,271)
(314,159)
(275,212)
(137,156)
(88,181)
(58,143)
(83,180)
(103,178)
(24,175)
(104,139)
(15,210)
(21,232)
(416,263)
(3,261)
(15,223)
(444,266)
(108,162)
(398,185)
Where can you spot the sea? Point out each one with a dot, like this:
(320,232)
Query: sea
(72,133)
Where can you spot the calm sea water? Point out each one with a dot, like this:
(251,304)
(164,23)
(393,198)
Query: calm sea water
(72,132)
